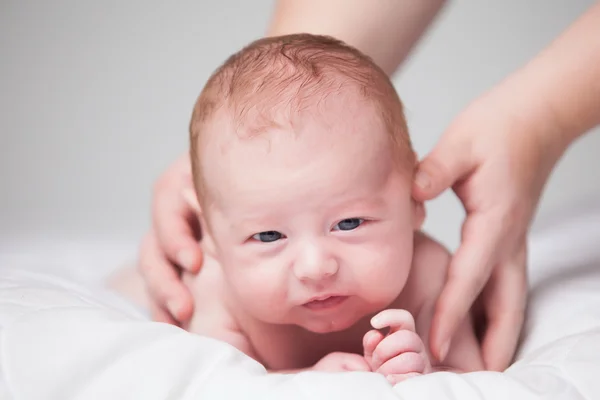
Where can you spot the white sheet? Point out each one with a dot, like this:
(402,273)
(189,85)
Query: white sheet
(60,340)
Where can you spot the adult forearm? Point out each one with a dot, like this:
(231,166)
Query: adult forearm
(564,79)
(386,30)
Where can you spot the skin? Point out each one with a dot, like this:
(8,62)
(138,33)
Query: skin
(344,223)
(336,168)
(171,242)
(529,118)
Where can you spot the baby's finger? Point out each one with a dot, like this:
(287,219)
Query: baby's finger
(370,342)
(397,378)
(163,283)
(395,319)
(403,364)
(356,363)
(395,344)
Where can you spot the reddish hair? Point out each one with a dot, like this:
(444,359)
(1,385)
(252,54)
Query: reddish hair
(281,76)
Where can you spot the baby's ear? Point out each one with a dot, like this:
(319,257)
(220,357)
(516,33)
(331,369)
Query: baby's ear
(418,215)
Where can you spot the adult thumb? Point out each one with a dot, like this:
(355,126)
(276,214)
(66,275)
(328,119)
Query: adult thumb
(449,162)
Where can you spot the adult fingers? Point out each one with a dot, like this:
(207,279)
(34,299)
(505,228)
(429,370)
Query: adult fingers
(163,282)
(504,299)
(161,314)
(468,272)
(189,196)
(449,161)
(175,222)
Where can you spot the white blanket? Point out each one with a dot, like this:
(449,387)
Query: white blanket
(60,340)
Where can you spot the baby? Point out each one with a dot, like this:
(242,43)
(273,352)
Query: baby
(303,168)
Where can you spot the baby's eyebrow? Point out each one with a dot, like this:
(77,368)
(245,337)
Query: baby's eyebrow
(369,202)
(253,223)
(266,219)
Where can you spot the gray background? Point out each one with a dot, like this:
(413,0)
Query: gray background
(95,99)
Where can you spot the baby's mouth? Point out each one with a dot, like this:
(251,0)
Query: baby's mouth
(325,303)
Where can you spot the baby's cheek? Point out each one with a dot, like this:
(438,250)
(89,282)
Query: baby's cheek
(261,293)
(386,276)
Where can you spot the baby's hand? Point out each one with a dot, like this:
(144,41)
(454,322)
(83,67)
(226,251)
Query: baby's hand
(399,355)
(341,362)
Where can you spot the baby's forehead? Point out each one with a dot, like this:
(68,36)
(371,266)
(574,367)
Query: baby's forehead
(302,164)
(336,119)
(281,99)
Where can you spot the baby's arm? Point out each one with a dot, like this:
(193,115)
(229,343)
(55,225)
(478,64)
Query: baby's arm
(213,319)
(332,362)
(234,338)
(464,354)
(404,351)
(210,317)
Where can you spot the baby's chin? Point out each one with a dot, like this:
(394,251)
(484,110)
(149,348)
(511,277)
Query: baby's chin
(329,325)
(354,313)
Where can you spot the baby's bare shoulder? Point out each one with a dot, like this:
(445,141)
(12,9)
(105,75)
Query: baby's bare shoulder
(429,267)
(212,317)
(208,290)
(430,253)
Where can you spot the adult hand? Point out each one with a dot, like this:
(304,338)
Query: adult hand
(171,245)
(497,158)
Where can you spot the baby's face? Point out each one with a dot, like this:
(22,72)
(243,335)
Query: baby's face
(313,227)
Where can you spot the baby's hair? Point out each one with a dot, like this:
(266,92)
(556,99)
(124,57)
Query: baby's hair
(270,81)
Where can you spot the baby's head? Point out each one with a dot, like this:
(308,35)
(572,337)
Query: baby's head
(303,167)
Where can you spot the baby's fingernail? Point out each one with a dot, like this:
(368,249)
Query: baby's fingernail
(444,350)
(422,180)
(375,322)
(186,259)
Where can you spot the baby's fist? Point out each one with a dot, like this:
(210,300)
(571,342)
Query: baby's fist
(399,355)
(341,362)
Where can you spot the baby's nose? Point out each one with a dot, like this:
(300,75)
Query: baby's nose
(315,264)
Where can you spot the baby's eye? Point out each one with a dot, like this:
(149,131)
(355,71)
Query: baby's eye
(267,236)
(348,224)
